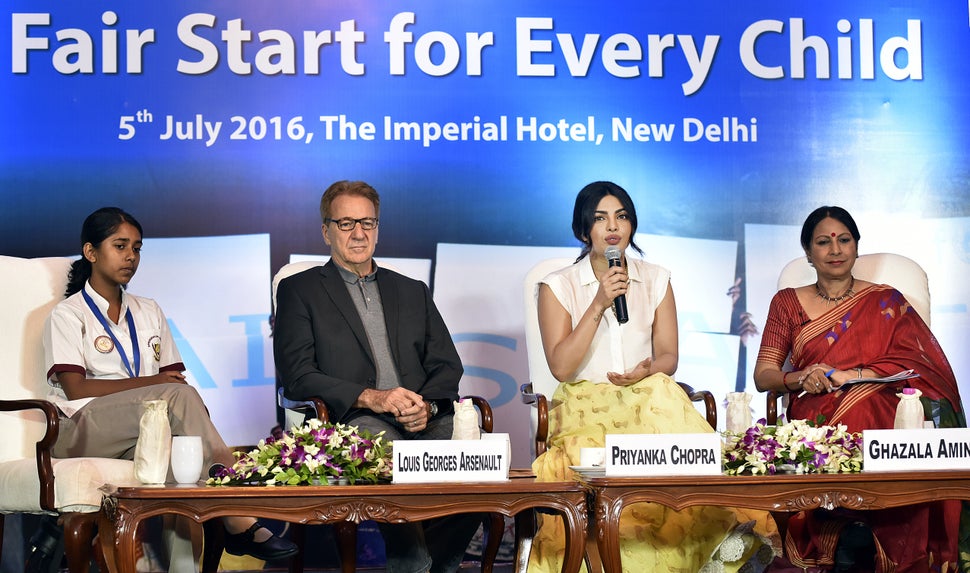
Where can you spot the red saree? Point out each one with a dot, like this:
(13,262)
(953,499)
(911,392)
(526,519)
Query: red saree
(876,329)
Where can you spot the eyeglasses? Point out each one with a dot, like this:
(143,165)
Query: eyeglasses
(348,224)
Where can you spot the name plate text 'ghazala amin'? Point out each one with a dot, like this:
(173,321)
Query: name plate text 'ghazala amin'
(920,449)
(425,461)
(663,454)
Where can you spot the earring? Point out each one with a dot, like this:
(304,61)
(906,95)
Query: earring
(809,259)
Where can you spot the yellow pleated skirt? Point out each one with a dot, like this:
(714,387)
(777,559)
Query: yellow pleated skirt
(652,537)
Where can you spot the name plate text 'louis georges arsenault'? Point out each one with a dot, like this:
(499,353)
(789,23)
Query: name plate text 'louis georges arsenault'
(663,454)
(424,461)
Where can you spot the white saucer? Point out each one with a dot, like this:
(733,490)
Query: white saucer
(589,471)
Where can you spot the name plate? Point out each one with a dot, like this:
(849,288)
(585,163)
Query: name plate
(929,449)
(427,461)
(663,454)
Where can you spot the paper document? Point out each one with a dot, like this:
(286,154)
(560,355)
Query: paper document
(902,375)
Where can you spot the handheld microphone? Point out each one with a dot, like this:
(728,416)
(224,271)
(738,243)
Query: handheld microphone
(619,303)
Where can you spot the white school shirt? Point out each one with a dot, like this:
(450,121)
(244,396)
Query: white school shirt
(615,347)
(71,332)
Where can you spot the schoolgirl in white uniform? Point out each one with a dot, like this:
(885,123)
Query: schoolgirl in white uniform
(108,351)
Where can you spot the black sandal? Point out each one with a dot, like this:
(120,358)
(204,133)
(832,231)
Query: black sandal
(273,548)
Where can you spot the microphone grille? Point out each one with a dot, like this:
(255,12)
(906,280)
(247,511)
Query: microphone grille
(612,253)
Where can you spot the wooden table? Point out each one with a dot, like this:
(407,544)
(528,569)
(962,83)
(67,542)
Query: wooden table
(777,493)
(123,508)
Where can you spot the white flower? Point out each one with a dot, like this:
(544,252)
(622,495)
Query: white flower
(311,454)
(807,447)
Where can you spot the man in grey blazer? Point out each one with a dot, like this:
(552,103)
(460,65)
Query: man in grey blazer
(371,343)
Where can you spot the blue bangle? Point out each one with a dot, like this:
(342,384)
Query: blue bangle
(829,373)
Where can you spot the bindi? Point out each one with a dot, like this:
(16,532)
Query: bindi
(833,234)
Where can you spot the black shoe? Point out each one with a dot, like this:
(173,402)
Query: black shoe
(269,550)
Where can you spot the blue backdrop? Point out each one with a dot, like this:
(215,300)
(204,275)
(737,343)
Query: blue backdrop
(478,122)
(874,119)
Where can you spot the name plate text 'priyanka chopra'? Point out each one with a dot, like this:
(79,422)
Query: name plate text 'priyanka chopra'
(663,454)
(928,449)
(426,461)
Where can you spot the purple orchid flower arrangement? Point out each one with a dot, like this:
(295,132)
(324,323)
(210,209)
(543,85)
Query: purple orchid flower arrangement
(799,446)
(314,454)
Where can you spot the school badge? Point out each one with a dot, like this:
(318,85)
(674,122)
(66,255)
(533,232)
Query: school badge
(155,343)
(103,344)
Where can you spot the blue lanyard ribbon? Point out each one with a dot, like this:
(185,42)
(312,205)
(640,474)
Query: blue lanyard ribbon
(131,331)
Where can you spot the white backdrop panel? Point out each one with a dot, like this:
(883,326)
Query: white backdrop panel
(215,292)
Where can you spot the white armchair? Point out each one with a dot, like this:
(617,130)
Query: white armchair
(31,480)
(538,391)
(297,411)
(902,273)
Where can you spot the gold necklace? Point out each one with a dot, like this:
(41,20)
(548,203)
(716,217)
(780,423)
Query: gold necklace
(835,299)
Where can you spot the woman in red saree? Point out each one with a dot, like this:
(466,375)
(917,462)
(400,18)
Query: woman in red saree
(839,329)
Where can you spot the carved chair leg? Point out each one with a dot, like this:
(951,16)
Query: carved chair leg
(494,528)
(79,531)
(99,556)
(525,532)
(346,532)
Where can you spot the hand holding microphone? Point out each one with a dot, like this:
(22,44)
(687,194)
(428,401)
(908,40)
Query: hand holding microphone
(615,259)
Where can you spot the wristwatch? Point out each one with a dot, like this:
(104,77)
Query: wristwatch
(432,409)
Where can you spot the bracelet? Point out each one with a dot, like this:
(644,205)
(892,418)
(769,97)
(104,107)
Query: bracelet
(784,380)
(859,370)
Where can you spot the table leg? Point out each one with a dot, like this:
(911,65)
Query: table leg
(346,534)
(494,529)
(117,532)
(606,525)
(576,523)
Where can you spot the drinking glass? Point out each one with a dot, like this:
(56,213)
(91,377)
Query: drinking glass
(187,458)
